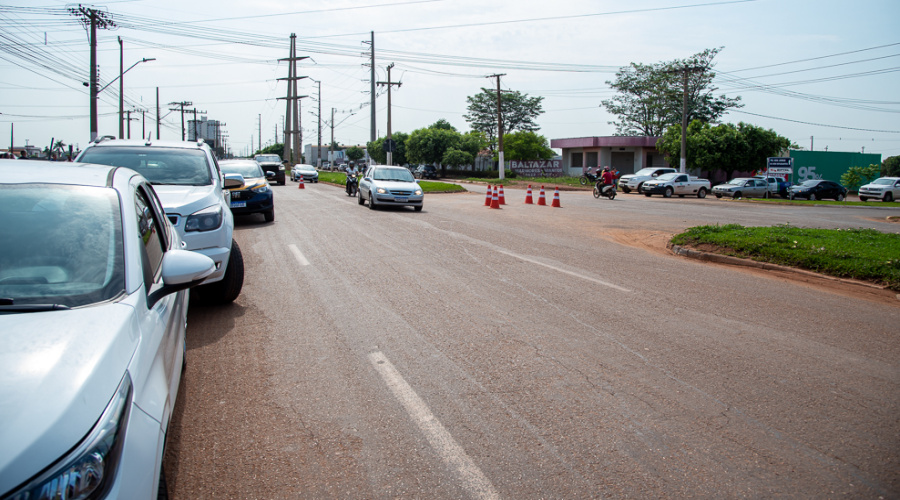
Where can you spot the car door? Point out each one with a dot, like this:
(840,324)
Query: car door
(681,185)
(759,188)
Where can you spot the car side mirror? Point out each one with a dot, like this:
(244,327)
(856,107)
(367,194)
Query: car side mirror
(181,269)
(233,181)
(270,175)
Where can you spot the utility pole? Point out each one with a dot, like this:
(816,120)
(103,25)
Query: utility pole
(94,19)
(331,146)
(182,104)
(501,166)
(319,141)
(372,124)
(292,137)
(258,136)
(685,72)
(157,113)
(390,152)
(121,91)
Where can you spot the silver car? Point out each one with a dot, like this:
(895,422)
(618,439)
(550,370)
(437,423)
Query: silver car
(309,173)
(742,187)
(93,304)
(390,186)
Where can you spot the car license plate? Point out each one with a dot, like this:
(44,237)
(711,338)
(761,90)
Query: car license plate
(400,199)
(238,204)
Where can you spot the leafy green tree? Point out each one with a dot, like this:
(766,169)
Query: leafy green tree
(726,147)
(526,146)
(376,149)
(428,145)
(354,153)
(855,177)
(890,167)
(650,97)
(274,149)
(455,158)
(519,113)
(443,124)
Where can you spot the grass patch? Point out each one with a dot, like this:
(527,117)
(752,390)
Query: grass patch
(864,254)
(340,179)
(556,181)
(844,203)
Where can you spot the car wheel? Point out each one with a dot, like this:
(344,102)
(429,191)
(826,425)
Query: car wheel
(647,195)
(225,291)
(840,197)
(626,190)
(718,195)
(669,192)
(701,193)
(418,208)
(269,215)
(862,198)
(812,197)
(372,202)
(888,197)
(766,195)
(736,195)
(640,188)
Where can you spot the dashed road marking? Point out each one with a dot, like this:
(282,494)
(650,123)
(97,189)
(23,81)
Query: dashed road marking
(298,255)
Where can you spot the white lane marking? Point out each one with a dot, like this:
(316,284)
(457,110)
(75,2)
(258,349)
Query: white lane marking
(298,255)
(599,282)
(473,480)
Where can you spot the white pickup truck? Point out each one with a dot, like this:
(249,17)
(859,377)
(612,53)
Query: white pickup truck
(676,183)
(634,182)
(883,188)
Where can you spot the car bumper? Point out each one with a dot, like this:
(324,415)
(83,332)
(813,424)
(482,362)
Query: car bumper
(398,199)
(871,193)
(653,189)
(629,184)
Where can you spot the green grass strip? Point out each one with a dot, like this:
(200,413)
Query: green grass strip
(340,178)
(864,254)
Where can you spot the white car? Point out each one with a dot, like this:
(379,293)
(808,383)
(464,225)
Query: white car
(883,188)
(194,192)
(635,181)
(309,173)
(390,186)
(93,305)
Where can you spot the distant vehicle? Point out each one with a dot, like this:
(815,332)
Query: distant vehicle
(309,173)
(777,185)
(390,186)
(94,304)
(742,187)
(272,163)
(253,196)
(634,182)
(426,172)
(884,188)
(676,184)
(194,193)
(818,189)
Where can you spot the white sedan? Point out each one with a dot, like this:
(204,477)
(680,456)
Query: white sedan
(93,304)
(390,186)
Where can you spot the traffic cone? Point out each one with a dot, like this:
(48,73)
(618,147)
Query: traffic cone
(301,186)
(495,200)
(556,199)
(487,198)
(542,200)
(502,197)
(528,199)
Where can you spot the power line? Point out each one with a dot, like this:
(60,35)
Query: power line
(816,124)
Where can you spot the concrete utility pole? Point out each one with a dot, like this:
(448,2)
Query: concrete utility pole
(292,137)
(685,72)
(390,152)
(94,19)
(121,90)
(182,104)
(372,125)
(260,134)
(501,165)
(157,113)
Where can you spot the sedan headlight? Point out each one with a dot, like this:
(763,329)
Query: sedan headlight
(207,219)
(88,471)
(418,192)
(260,189)
(281,167)
(381,191)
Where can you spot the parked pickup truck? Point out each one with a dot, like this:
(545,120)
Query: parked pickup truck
(634,182)
(676,183)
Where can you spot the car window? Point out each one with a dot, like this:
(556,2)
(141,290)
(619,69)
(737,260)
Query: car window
(178,166)
(246,169)
(666,177)
(150,235)
(60,244)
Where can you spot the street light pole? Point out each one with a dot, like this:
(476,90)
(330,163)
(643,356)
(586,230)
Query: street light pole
(121,91)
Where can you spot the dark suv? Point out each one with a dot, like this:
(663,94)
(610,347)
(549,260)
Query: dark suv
(272,163)
(426,172)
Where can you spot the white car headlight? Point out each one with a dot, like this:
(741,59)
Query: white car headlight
(381,191)
(88,471)
(207,219)
(260,189)
(418,192)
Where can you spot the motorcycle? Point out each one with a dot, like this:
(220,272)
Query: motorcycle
(588,178)
(352,184)
(608,190)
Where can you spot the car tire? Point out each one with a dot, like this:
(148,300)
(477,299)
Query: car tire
(736,195)
(640,188)
(840,197)
(702,193)
(647,195)
(669,192)
(766,195)
(269,215)
(228,289)
(372,202)
(718,195)
(418,208)
(862,198)
(812,197)
(625,190)
(888,197)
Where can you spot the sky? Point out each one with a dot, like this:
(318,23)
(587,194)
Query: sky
(822,73)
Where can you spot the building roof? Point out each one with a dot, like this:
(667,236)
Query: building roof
(616,141)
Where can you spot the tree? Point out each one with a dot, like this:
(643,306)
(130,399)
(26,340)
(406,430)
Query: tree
(443,124)
(890,167)
(377,153)
(354,153)
(650,96)
(855,177)
(274,149)
(526,146)
(519,112)
(726,147)
(455,158)
(428,145)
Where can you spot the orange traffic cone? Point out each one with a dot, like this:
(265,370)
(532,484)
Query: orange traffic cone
(495,200)
(528,199)
(301,186)
(542,200)
(487,198)
(502,197)
(556,199)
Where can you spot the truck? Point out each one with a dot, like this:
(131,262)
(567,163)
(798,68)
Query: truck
(676,184)
(634,182)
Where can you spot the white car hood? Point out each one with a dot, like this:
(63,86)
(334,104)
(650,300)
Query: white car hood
(392,185)
(185,200)
(58,372)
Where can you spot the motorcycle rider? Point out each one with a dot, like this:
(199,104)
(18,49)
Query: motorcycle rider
(351,172)
(608,178)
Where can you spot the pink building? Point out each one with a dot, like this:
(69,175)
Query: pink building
(626,154)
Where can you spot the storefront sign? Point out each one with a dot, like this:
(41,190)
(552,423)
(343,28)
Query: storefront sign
(542,168)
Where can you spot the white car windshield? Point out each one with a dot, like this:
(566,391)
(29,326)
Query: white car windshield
(245,169)
(737,181)
(269,158)
(645,171)
(883,182)
(60,245)
(391,174)
(666,177)
(173,166)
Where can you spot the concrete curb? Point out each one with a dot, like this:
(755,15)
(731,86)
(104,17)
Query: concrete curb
(737,261)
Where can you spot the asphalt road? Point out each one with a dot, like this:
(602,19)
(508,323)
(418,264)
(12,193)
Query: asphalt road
(531,352)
